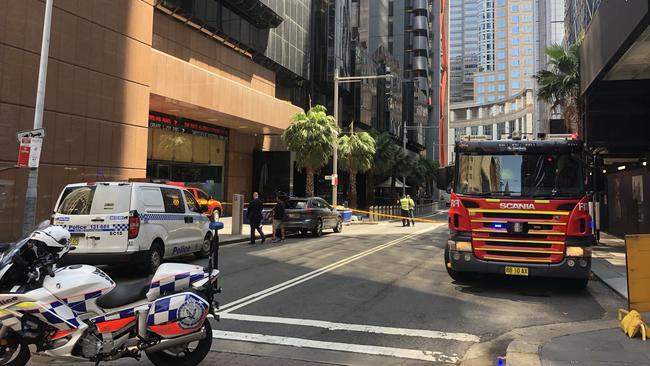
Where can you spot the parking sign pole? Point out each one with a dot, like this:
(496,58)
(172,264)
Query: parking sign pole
(29,213)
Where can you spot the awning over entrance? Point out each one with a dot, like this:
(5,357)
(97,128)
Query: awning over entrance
(182,89)
(387,184)
(615,79)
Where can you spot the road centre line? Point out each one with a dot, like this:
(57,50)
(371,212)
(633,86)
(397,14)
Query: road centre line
(423,355)
(463,337)
(234,305)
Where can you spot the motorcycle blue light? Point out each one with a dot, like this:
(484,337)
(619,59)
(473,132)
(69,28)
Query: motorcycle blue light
(497,226)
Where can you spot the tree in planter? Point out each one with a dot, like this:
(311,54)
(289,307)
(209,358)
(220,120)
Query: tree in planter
(312,137)
(560,85)
(356,154)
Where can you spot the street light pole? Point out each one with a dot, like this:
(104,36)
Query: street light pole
(335,154)
(29,213)
(337,81)
(404,149)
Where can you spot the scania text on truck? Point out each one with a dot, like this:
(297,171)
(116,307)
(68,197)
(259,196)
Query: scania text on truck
(519,207)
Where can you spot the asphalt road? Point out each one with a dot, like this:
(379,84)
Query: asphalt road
(372,295)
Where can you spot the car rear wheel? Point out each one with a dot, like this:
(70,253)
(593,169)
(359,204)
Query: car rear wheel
(339,226)
(318,230)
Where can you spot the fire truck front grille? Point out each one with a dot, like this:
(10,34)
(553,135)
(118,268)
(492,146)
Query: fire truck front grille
(508,215)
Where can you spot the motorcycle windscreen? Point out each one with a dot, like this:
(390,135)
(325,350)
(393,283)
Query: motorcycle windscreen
(96,215)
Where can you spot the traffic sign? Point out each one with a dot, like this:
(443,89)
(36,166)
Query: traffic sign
(29,152)
(39,132)
(328,177)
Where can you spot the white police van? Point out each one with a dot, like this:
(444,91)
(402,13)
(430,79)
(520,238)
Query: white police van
(134,223)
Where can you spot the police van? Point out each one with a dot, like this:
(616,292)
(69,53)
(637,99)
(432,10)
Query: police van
(131,222)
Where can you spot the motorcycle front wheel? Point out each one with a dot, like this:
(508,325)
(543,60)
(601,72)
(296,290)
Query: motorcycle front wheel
(189,354)
(13,351)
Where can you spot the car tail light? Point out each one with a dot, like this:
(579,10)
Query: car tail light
(309,211)
(134,225)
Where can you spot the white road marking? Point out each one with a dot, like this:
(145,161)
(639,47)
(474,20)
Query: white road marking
(423,355)
(244,301)
(463,337)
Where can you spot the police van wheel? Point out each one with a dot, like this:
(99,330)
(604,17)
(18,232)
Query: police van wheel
(153,259)
(205,247)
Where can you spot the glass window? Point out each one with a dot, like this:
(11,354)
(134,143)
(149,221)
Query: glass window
(501,44)
(501,97)
(521,175)
(474,130)
(481,99)
(514,8)
(515,52)
(490,98)
(501,23)
(529,84)
(515,85)
(202,195)
(77,200)
(172,200)
(515,62)
(479,79)
(480,89)
(514,29)
(299,204)
(191,202)
(501,2)
(501,66)
(502,77)
(501,55)
(490,77)
(501,12)
(515,18)
(501,129)
(514,73)
(501,34)
(490,89)
(514,40)
(487,130)
(501,87)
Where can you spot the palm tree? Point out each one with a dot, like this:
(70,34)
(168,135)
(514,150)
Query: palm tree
(312,137)
(388,156)
(560,85)
(356,154)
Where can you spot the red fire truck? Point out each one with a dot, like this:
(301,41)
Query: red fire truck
(519,207)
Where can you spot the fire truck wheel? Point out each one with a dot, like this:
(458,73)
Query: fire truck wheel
(456,275)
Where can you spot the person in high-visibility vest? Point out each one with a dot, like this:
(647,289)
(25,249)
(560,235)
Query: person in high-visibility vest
(411,209)
(405,206)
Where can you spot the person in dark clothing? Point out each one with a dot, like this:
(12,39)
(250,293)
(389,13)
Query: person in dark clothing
(278,217)
(254,216)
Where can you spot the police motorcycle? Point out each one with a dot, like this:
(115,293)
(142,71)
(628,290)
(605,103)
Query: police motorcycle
(78,313)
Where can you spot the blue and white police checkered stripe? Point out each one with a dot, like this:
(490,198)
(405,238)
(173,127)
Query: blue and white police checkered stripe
(79,304)
(175,283)
(126,313)
(56,313)
(161,217)
(166,309)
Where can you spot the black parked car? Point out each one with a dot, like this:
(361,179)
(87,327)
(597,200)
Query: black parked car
(311,215)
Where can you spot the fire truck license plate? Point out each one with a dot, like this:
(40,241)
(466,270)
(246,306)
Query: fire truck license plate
(517,271)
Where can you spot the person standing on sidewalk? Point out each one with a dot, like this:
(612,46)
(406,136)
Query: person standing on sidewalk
(278,217)
(254,216)
(404,206)
(411,209)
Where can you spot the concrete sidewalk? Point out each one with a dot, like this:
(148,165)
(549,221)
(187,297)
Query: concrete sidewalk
(226,237)
(608,263)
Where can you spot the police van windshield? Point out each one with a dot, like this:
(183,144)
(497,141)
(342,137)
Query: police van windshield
(520,175)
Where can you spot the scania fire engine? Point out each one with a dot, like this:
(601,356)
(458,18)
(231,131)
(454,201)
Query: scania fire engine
(519,207)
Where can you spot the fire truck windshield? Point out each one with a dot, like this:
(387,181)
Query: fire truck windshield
(520,175)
